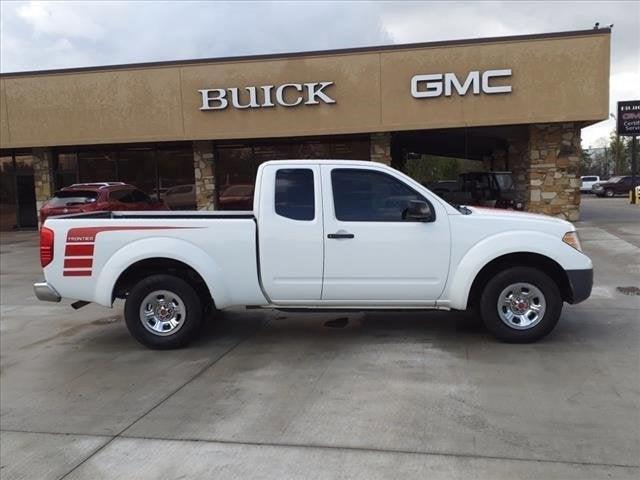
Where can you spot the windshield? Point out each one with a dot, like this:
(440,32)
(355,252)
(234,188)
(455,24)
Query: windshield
(615,179)
(505,181)
(72,197)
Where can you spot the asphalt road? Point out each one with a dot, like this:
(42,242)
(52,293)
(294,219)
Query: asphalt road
(267,395)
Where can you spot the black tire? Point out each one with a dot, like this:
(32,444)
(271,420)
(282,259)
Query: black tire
(609,193)
(190,316)
(489,304)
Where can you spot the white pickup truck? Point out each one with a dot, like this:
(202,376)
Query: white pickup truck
(322,235)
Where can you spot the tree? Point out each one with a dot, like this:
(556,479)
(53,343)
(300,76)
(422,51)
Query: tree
(587,163)
(620,149)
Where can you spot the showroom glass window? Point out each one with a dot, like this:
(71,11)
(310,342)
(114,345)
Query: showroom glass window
(65,167)
(8,199)
(155,169)
(137,167)
(18,208)
(237,164)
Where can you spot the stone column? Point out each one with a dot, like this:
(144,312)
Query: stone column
(204,173)
(554,152)
(381,147)
(42,175)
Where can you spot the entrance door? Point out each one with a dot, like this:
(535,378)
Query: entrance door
(27,211)
(372,255)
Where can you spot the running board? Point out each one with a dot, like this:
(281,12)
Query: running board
(342,308)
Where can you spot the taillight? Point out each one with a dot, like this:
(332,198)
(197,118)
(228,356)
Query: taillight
(46,246)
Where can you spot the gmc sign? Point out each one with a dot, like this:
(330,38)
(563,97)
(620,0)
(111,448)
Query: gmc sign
(437,84)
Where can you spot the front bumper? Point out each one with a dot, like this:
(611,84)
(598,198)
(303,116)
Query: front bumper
(580,284)
(46,292)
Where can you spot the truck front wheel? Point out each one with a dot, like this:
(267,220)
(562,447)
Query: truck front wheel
(163,312)
(520,305)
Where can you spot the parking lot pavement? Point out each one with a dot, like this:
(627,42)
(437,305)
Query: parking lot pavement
(613,214)
(271,395)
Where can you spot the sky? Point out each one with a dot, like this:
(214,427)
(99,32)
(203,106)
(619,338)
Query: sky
(37,35)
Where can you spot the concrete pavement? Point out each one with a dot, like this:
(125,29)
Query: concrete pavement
(271,395)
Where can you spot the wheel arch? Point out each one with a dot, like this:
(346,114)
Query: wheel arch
(519,259)
(161,265)
(177,254)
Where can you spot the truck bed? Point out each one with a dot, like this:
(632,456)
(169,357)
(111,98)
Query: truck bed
(92,250)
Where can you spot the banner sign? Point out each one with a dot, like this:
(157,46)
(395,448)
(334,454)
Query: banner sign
(629,118)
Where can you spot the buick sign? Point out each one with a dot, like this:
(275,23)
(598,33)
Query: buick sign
(266,96)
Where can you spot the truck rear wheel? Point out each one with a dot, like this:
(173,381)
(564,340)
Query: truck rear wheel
(520,305)
(163,312)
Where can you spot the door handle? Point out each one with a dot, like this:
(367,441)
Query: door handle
(341,235)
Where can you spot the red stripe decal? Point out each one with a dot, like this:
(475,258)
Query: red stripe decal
(88,234)
(78,262)
(76,273)
(78,250)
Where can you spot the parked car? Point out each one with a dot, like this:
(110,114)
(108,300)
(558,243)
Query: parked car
(443,187)
(181,197)
(587,182)
(92,197)
(485,189)
(620,185)
(323,234)
(158,193)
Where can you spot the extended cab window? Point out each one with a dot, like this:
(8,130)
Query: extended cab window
(294,193)
(368,196)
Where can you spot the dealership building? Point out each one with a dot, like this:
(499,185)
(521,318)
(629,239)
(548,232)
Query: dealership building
(204,126)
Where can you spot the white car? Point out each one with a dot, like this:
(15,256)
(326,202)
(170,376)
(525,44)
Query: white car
(181,197)
(322,235)
(587,182)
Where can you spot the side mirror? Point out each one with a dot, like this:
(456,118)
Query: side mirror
(418,211)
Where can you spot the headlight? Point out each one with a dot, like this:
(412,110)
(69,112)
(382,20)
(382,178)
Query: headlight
(571,238)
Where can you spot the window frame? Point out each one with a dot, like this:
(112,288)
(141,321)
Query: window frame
(379,172)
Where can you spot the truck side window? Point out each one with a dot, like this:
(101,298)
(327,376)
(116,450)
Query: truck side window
(295,197)
(369,196)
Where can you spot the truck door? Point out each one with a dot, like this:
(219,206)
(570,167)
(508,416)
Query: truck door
(372,255)
(291,233)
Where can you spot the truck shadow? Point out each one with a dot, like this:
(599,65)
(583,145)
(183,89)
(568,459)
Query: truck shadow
(288,327)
